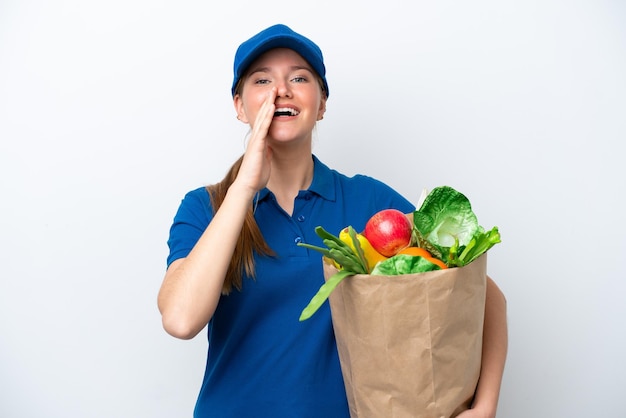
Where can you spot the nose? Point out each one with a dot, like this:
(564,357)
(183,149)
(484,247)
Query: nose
(283,89)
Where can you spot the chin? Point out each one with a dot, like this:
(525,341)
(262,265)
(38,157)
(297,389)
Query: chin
(284,137)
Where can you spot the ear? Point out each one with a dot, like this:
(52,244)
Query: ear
(322,109)
(241,114)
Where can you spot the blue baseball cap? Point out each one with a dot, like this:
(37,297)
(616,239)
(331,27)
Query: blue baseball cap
(278,36)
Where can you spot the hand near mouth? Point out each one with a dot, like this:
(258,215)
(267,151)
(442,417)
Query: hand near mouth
(255,168)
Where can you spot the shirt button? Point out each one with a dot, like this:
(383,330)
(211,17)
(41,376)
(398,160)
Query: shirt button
(307,196)
(301,218)
(298,240)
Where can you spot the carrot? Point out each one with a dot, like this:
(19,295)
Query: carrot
(421,252)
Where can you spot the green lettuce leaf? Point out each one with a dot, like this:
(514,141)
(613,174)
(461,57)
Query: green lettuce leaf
(479,245)
(403,264)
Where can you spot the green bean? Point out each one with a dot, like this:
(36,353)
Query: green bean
(322,294)
(324,251)
(348,263)
(339,251)
(358,249)
(344,249)
(323,234)
(345,261)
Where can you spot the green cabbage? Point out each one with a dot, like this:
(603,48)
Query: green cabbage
(447,227)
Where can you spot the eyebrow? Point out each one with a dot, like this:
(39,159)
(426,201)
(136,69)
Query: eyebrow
(292,68)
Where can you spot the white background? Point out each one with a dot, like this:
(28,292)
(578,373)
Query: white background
(111,111)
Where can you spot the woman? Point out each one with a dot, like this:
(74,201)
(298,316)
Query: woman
(234,264)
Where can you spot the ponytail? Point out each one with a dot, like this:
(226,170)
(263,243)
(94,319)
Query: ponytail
(249,242)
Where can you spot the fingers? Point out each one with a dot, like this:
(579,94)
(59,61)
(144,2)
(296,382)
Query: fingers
(264,117)
(256,165)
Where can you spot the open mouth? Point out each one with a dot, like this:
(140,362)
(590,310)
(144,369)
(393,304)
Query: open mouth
(286,111)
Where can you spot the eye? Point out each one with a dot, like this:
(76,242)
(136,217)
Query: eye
(299,79)
(261,81)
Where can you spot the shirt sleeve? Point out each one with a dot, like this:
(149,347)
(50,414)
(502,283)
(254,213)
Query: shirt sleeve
(190,221)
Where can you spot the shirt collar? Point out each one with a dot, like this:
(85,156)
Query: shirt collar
(323,180)
(323,183)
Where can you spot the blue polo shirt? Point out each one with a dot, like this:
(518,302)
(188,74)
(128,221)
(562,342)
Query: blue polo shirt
(263,362)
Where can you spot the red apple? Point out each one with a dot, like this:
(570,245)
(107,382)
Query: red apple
(388,231)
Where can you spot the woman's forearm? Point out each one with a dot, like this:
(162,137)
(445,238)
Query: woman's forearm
(495,346)
(192,286)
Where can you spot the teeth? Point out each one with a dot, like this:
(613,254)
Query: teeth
(286,111)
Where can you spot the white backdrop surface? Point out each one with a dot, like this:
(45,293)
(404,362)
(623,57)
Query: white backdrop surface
(111,111)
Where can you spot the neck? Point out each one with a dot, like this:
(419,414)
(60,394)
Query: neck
(289,175)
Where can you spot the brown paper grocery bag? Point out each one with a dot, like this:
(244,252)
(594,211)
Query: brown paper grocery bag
(410,345)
